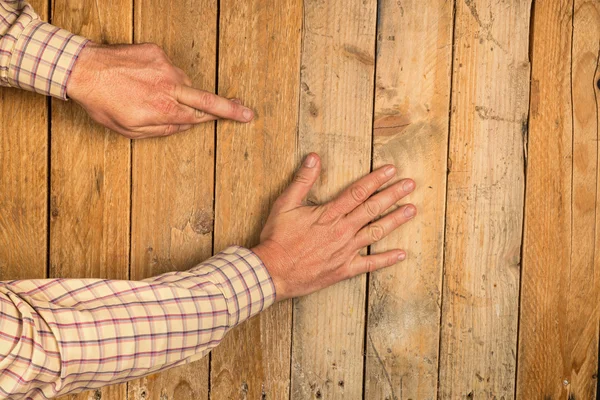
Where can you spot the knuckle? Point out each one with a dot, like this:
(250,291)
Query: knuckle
(166,106)
(359,193)
(206,99)
(369,265)
(372,208)
(169,130)
(302,179)
(376,232)
(339,232)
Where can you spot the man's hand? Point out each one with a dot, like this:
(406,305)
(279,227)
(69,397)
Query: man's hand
(136,91)
(307,248)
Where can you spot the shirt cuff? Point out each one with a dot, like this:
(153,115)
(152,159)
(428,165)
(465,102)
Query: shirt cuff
(43,59)
(243,279)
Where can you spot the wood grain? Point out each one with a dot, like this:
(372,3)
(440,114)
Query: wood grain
(336,106)
(89,205)
(23,180)
(582,311)
(490,96)
(173,177)
(412,97)
(259,61)
(558,347)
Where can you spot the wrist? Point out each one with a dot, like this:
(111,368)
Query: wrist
(79,81)
(274,258)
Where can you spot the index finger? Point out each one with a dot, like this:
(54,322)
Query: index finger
(213,104)
(362,189)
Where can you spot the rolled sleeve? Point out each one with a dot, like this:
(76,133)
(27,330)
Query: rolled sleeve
(35,55)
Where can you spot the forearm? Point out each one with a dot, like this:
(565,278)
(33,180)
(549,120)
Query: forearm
(62,336)
(35,55)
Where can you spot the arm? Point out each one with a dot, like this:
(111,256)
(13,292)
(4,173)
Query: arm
(60,336)
(35,55)
(134,90)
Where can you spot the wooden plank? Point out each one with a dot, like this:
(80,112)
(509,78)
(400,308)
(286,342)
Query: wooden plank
(336,105)
(173,177)
(558,345)
(89,204)
(583,313)
(259,62)
(23,180)
(543,331)
(412,97)
(490,96)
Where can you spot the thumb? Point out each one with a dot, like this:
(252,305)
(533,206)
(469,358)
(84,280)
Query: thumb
(304,180)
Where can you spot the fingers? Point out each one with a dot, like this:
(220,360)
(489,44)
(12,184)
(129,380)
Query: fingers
(366,264)
(379,229)
(304,180)
(189,115)
(213,104)
(361,190)
(377,204)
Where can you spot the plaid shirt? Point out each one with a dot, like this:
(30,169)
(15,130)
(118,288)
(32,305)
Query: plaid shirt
(60,336)
(35,55)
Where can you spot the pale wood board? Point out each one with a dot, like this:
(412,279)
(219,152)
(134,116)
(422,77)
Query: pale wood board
(173,177)
(412,94)
(545,295)
(259,59)
(484,218)
(23,180)
(336,105)
(558,355)
(89,203)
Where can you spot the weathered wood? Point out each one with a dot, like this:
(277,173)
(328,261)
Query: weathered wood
(173,177)
(23,180)
(89,204)
(558,345)
(414,52)
(484,217)
(336,105)
(259,61)
(582,310)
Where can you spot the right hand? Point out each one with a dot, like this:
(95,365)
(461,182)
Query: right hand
(135,90)
(307,248)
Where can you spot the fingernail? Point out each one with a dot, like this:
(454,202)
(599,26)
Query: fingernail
(401,256)
(409,211)
(408,186)
(247,114)
(310,161)
(236,101)
(391,170)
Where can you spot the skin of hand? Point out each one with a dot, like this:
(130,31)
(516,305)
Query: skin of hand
(136,91)
(306,248)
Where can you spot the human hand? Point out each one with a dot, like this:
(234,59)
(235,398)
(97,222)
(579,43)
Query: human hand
(307,248)
(136,91)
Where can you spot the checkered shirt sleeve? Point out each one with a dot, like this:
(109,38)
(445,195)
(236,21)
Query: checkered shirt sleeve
(60,336)
(35,55)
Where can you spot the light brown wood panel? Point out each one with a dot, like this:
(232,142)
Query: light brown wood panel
(259,61)
(582,310)
(336,105)
(23,180)
(89,203)
(558,345)
(412,97)
(484,218)
(173,177)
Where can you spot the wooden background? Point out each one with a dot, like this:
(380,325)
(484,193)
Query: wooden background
(490,105)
